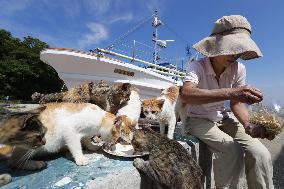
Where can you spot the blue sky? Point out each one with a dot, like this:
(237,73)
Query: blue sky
(87,24)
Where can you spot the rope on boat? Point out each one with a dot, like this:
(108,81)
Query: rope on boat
(123,46)
(129,32)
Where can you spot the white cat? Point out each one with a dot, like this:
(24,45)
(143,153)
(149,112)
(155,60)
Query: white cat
(166,109)
(68,123)
(132,108)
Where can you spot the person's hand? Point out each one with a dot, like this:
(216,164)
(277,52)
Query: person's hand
(256,131)
(270,136)
(247,94)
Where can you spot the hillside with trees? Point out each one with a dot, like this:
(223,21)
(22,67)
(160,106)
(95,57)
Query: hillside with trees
(21,70)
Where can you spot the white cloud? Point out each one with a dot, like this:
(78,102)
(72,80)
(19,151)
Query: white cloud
(98,33)
(125,18)
(97,6)
(11,6)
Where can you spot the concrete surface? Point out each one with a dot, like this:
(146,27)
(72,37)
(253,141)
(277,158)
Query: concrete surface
(103,172)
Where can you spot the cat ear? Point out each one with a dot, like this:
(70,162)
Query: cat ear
(28,119)
(125,86)
(24,118)
(161,103)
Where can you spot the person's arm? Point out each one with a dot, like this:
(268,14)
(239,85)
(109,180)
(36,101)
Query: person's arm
(240,111)
(191,94)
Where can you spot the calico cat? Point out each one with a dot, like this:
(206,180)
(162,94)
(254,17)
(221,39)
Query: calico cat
(109,98)
(166,109)
(169,164)
(68,123)
(23,130)
(132,108)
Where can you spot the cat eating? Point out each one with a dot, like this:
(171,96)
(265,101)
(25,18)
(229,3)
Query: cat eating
(69,123)
(165,109)
(23,130)
(169,164)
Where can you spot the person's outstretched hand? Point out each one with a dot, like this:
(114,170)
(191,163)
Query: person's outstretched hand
(247,94)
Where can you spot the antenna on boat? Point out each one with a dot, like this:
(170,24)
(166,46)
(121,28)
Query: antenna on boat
(158,42)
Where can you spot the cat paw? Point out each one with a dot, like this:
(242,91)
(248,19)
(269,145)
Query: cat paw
(170,137)
(34,165)
(29,165)
(5,179)
(39,165)
(82,161)
(138,163)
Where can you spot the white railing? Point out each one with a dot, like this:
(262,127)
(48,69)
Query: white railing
(155,67)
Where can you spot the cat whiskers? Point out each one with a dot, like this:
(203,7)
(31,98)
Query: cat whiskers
(29,157)
(24,159)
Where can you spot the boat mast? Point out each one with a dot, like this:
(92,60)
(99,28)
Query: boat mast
(156,23)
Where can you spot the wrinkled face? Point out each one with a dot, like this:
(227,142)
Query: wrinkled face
(124,128)
(152,108)
(26,131)
(143,140)
(226,60)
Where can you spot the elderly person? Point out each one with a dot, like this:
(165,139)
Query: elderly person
(214,79)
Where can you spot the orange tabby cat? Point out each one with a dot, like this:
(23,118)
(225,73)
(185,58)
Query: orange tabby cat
(165,110)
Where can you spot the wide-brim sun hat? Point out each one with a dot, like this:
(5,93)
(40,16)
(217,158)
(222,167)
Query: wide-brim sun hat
(231,35)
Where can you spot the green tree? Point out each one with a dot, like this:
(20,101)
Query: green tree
(21,70)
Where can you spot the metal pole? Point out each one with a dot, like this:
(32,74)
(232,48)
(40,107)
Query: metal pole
(155,46)
(133,55)
(155,25)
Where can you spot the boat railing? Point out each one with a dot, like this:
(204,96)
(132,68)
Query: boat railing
(154,67)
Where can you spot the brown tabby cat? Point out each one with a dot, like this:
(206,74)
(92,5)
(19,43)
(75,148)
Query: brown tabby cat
(23,130)
(169,164)
(109,98)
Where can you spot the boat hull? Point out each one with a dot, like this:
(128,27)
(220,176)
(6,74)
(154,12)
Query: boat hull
(77,67)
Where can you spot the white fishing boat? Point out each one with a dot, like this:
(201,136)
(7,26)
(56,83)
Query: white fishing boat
(75,67)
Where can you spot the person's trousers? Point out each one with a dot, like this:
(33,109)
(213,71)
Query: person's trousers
(233,149)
